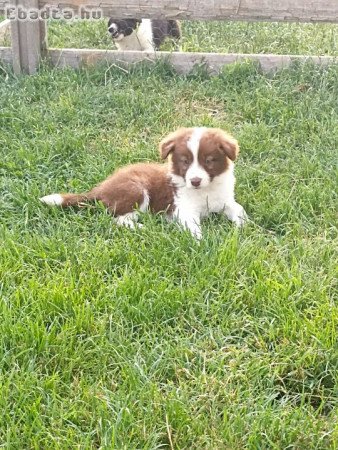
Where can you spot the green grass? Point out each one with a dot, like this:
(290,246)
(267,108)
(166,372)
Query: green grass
(237,37)
(226,37)
(112,338)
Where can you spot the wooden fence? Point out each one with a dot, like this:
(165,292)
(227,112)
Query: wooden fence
(29,42)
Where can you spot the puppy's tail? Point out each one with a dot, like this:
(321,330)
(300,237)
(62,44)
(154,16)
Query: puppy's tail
(65,200)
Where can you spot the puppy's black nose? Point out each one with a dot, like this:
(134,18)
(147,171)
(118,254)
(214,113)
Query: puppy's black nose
(196,181)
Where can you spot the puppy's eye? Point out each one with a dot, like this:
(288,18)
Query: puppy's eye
(185,161)
(209,160)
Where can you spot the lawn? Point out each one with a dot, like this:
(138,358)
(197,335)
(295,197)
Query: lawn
(113,338)
(238,37)
(227,37)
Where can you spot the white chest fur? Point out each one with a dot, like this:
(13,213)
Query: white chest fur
(140,39)
(213,198)
(193,204)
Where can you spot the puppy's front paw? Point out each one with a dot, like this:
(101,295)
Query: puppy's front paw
(194,229)
(241,217)
(236,213)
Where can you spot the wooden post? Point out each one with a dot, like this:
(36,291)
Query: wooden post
(29,41)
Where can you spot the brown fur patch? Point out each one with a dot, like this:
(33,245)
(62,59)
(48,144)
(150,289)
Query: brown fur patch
(175,144)
(74,199)
(217,138)
(175,141)
(215,148)
(125,189)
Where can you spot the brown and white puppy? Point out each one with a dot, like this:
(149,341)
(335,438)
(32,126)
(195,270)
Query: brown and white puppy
(143,35)
(197,180)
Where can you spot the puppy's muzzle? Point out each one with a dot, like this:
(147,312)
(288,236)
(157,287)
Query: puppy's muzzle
(114,32)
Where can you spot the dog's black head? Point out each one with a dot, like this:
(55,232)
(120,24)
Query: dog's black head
(120,28)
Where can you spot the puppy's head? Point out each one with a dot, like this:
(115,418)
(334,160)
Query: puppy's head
(198,155)
(120,28)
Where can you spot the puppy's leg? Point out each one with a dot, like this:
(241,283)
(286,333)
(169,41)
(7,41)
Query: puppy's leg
(128,220)
(236,213)
(124,200)
(189,221)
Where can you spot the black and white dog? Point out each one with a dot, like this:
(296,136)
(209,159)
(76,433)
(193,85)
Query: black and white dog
(145,35)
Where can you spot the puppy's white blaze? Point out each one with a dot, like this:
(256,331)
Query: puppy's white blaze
(194,141)
(52,199)
(196,170)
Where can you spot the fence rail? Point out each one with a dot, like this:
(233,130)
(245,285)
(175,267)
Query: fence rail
(182,62)
(29,43)
(248,10)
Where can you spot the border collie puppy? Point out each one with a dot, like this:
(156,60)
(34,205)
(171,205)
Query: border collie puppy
(145,35)
(198,179)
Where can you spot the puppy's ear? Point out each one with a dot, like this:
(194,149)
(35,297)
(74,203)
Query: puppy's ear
(167,145)
(227,144)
